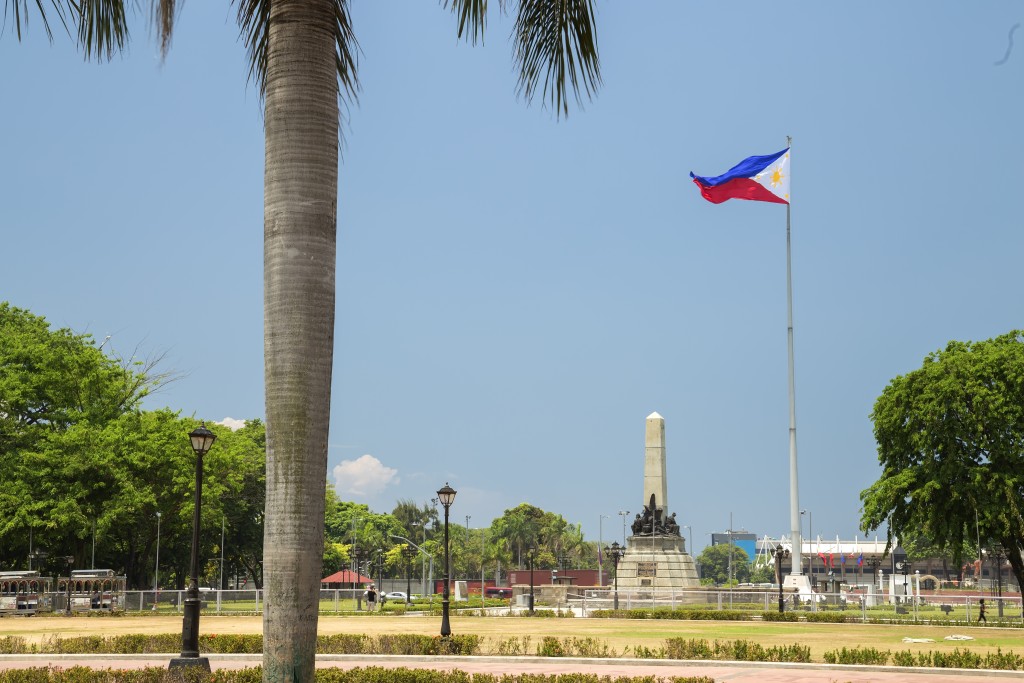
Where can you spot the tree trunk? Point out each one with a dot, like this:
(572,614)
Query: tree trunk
(300,218)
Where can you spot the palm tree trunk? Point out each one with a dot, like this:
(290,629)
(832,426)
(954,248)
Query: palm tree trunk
(300,219)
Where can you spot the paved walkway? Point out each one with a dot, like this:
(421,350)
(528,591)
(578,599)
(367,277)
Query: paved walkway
(722,672)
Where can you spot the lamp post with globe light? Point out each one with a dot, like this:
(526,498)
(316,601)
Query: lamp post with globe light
(615,553)
(446,494)
(202,440)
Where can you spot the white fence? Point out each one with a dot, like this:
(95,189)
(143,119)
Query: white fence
(867,605)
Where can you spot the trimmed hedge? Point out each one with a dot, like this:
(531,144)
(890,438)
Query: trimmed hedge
(780,616)
(666,613)
(957,659)
(735,650)
(372,674)
(413,644)
(248,643)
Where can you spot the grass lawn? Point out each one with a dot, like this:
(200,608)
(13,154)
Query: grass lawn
(617,634)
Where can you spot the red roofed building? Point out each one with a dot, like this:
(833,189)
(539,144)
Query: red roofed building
(346,578)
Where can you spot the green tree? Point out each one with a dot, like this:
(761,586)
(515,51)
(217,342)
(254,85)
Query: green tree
(762,572)
(63,407)
(239,458)
(520,529)
(951,444)
(53,379)
(302,53)
(715,562)
(414,518)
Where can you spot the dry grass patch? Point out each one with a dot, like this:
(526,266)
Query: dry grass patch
(617,634)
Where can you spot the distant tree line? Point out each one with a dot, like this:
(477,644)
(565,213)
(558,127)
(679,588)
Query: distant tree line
(89,474)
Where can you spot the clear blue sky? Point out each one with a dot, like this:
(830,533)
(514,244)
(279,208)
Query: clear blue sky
(515,293)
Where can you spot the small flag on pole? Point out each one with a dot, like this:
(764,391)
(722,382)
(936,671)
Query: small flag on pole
(759,179)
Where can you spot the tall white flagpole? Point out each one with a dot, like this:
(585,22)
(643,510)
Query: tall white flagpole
(796,578)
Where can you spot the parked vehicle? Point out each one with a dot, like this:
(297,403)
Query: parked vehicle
(396,595)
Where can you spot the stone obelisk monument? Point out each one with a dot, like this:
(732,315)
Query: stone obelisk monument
(655,481)
(656,561)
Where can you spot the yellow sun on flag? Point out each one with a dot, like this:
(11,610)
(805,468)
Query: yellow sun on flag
(777,176)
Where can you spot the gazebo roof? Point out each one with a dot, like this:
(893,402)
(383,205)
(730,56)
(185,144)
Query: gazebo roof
(346,576)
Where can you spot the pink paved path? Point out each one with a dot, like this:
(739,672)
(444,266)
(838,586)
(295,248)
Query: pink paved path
(724,672)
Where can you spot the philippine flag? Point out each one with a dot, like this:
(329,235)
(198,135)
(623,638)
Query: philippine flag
(760,179)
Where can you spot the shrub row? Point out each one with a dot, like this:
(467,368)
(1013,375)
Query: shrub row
(957,659)
(666,613)
(414,644)
(735,650)
(249,643)
(357,675)
(573,647)
(780,616)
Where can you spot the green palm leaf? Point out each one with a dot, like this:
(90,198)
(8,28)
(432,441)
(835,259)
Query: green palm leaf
(556,45)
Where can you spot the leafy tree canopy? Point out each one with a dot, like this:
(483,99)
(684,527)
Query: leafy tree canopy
(714,563)
(51,380)
(951,444)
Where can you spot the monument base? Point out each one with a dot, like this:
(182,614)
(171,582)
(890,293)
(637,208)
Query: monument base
(656,563)
(179,663)
(798,582)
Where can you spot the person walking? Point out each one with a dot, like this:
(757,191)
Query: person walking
(981,611)
(371,598)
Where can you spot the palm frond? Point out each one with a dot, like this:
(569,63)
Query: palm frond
(163,14)
(102,26)
(556,47)
(254,24)
(19,8)
(472,17)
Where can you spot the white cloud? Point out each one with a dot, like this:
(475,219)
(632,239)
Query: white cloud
(364,476)
(231,423)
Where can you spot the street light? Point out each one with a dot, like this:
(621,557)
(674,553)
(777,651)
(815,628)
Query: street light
(600,549)
(425,556)
(531,557)
(810,539)
(690,533)
(202,439)
(615,553)
(998,551)
(358,555)
(156,570)
(446,494)
(874,563)
(624,514)
(410,553)
(70,559)
(899,565)
(780,554)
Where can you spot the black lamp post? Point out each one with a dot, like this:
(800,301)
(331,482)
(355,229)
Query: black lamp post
(899,565)
(357,557)
(446,494)
(380,578)
(997,562)
(615,553)
(780,554)
(202,439)
(874,563)
(70,559)
(410,553)
(531,558)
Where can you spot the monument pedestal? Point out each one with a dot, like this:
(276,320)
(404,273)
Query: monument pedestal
(656,562)
(799,583)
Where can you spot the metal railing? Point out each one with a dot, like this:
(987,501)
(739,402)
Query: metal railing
(868,605)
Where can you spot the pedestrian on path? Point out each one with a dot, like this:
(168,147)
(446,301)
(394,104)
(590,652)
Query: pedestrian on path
(981,611)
